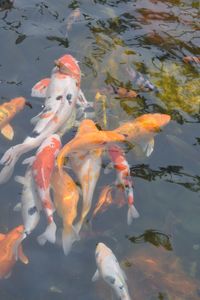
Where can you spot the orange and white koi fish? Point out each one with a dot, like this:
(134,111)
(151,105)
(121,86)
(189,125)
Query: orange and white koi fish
(61,97)
(121,166)
(110,271)
(7,256)
(94,139)
(42,168)
(87,166)
(66,196)
(105,200)
(7,111)
(143,129)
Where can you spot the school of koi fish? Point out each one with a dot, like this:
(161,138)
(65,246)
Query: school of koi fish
(46,185)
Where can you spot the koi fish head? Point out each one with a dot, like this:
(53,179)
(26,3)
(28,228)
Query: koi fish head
(154,122)
(101,251)
(18,103)
(68,65)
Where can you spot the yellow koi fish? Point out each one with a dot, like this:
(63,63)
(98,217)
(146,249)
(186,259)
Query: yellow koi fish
(94,139)
(143,129)
(66,198)
(7,112)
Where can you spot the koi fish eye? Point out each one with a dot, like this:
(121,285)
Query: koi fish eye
(52,145)
(69,97)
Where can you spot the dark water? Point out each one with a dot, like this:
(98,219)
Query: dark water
(153,37)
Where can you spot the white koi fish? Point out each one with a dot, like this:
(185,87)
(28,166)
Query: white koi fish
(109,269)
(30,205)
(42,168)
(61,97)
(87,166)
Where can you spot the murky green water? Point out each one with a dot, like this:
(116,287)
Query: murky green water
(153,37)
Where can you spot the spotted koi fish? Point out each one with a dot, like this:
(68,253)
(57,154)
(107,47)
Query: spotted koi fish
(110,271)
(30,204)
(7,111)
(139,80)
(60,99)
(42,166)
(121,166)
(7,256)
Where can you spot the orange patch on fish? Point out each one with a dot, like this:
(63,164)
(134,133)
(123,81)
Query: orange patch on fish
(105,200)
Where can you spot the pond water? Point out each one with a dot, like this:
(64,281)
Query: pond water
(152,37)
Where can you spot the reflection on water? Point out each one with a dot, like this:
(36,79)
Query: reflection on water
(152,37)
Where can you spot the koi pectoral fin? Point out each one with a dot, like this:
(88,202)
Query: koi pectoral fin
(40,88)
(95,276)
(22,256)
(8,132)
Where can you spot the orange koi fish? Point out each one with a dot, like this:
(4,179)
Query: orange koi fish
(7,111)
(143,129)
(87,166)
(42,166)
(121,166)
(8,243)
(105,200)
(188,59)
(60,101)
(94,139)
(66,198)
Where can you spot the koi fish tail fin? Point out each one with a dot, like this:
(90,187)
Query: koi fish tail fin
(68,238)
(132,214)
(9,160)
(48,235)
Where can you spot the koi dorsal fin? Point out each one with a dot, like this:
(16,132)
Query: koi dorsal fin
(87,126)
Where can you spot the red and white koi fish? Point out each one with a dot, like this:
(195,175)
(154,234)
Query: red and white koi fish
(110,271)
(42,168)
(87,166)
(61,97)
(121,166)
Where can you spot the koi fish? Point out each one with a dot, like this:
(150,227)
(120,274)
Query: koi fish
(188,59)
(139,80)
(94,139)
(105,200)
(66,196)
(42,168)
(110,271)
(87,166)
(121,166)
(7,256)
(7,111)
(143,129)
(30,206)
(61,97)
(73,16)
